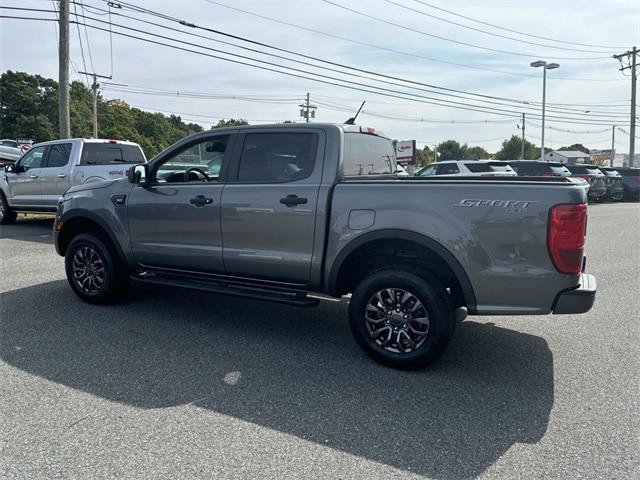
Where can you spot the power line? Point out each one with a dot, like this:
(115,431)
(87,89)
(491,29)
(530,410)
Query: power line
(500,102)
(86,35)
(399,52)
(496,50)
(490,33)
(333,80)
(515,31)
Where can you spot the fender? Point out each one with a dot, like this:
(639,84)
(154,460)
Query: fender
(88,214)
(393,234)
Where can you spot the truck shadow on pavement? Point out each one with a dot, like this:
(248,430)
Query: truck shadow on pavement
(293,370)
(29,229)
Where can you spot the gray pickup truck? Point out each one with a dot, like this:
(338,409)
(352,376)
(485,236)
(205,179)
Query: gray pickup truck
(40,177)
(278,212)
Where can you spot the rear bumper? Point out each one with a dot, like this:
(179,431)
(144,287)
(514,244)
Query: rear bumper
(579,299)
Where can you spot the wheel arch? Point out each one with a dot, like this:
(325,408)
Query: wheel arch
(435,251)
(85,222)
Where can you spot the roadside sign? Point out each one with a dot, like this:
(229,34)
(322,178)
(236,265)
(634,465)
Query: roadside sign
(406,152)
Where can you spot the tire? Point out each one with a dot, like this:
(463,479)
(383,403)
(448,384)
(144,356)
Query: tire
(7,216)
(105,278)
(391,347)
(617,197)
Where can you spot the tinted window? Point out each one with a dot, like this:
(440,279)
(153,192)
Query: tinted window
(593,171)
(447,169)
(560,170)
(33,158)
(277,157)
(501,167)
(629,172)
(527,168)
(366,154)
(58,154)
(108,153)
(478,167)
(205,156)
(577,169)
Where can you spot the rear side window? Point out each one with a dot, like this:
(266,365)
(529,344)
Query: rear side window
(109,153)
(447,169)
(501,167)
(366,154)
(277,157)
(560,170)
(527,168)
(58,155)
(478,167)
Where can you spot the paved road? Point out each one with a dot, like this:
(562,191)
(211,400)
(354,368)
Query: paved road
(177,384)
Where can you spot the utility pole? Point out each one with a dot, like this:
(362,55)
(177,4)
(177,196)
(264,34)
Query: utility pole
(632,55)
(522,148)
(63,71)
(613,144)
(307,110)
(94,88)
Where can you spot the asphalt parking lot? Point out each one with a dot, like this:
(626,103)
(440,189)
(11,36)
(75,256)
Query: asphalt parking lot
(180,384)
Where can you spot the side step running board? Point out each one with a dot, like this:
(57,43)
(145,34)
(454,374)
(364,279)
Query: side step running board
(290,297)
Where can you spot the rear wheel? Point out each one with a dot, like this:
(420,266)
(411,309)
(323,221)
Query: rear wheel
(94,270)
(400,319)
(617,197)
(7,216)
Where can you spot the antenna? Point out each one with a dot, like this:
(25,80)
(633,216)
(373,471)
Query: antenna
(352,120)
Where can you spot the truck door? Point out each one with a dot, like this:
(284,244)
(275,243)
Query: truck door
(54,174)
(269,207)
(174,219)
(23,183)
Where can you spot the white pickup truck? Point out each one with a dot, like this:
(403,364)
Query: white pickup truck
(41,176)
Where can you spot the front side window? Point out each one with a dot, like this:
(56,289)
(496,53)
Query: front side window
(277,157)
(447,169)
(33,158)
(58,155)
(199,162)
(427,172)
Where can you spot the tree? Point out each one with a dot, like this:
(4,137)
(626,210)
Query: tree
(477,153)
(29,109)
(232,122)
(451,150)
(512,149)
(576,146)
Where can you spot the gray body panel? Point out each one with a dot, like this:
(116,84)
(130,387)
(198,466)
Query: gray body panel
(492,233)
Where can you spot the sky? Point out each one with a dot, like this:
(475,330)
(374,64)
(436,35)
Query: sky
(396,38)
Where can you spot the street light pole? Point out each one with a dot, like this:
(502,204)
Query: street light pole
(545,66)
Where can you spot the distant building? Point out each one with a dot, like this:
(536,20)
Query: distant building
(569,157)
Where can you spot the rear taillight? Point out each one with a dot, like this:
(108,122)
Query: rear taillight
(586,177)
(566,234)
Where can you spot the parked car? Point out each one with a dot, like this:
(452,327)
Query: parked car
(401,171)
(596,179)
(467,168)
(536,168)
(630,182)
(615,186)
(9,151)
(36,181)
(298,213)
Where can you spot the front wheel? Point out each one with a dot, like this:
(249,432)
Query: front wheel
(400,319)
(7,216)
(94,270)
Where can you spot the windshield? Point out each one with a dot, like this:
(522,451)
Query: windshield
(109,153)
(366,154)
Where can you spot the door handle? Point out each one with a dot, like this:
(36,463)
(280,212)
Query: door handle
(201,201)
(62,175)
(293,200)
(33,176)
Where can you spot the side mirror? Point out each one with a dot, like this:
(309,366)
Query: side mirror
(137,174)
(8,168)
